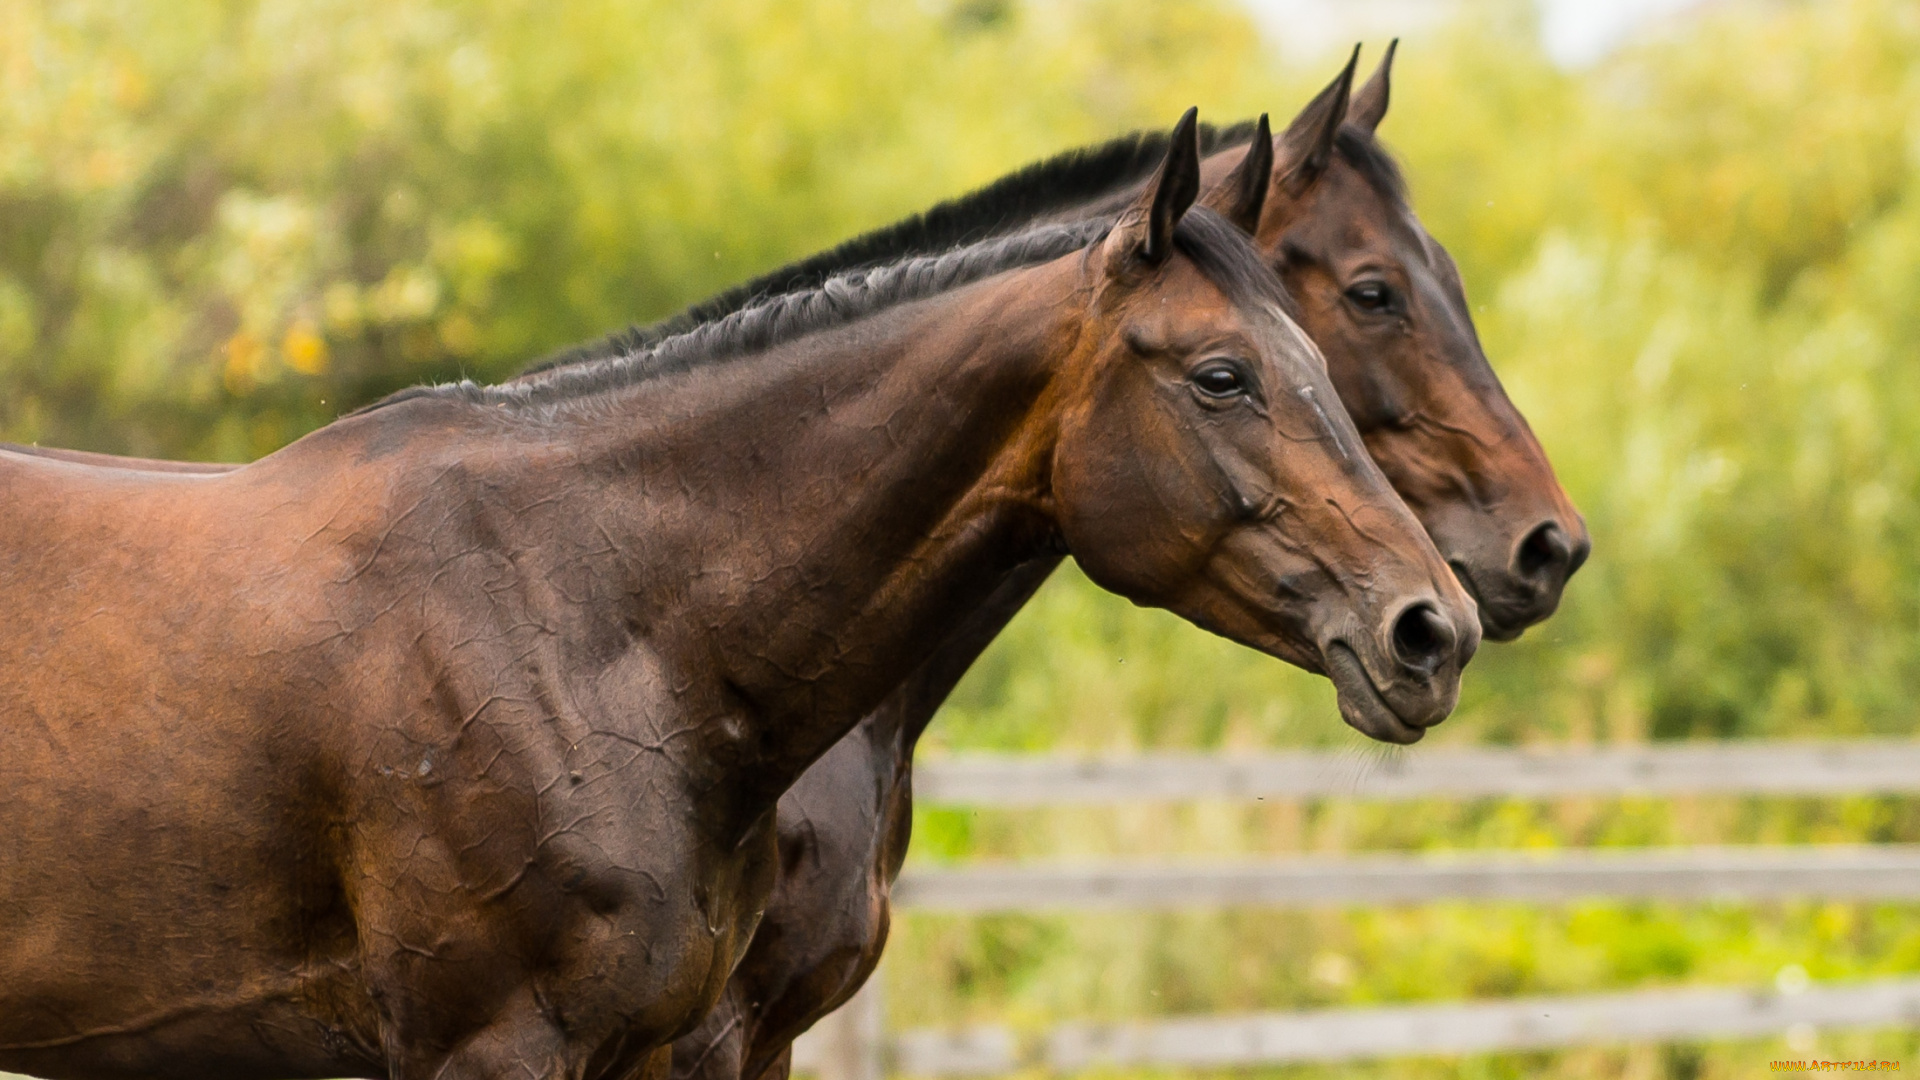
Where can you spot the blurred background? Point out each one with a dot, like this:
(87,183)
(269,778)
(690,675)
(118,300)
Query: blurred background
(1690,233)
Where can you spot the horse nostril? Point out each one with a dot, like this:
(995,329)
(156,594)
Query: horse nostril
(1422,639)
(1545,553)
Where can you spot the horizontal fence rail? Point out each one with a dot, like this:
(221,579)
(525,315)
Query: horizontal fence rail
(1862,766)
(850,1045)
(1882,872)
(1328,1035)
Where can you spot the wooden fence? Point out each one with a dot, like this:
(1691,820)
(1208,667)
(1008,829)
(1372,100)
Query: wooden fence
(852,1045)
(1772,768)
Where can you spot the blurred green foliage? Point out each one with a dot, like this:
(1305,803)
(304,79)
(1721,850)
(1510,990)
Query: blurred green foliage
(222,223)
(1695,266)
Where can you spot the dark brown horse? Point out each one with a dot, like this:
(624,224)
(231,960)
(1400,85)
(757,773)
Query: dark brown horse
(445,742)
(1384,303)
(1371,282)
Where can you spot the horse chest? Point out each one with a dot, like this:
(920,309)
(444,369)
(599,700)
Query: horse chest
(659,916)
(581,878)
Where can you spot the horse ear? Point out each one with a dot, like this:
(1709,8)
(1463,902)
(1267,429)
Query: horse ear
(1145,230)
(1370,104)
(1306,147)
(1239,197)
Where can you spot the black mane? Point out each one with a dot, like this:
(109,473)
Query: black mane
(841,299)
(1221,251)
(1068,184)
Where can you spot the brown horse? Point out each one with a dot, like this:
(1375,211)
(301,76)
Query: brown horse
(1384,303)
(445,742)
(1370,281)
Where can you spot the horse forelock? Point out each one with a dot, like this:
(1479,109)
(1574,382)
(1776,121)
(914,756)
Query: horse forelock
(1230,261)
(1360,149)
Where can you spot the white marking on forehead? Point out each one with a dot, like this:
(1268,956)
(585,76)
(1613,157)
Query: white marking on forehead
(1333,432)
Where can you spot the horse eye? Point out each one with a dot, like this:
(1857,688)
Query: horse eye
(1371,295)
(1219,380)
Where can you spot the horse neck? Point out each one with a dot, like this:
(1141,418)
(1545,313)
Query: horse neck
(816,519)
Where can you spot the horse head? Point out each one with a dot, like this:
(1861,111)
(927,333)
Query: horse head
(1204,465)
(1384,301)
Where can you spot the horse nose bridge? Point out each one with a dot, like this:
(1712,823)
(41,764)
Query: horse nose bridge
(1379,556)
(1540,503)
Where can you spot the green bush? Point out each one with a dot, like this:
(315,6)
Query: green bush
(223,223)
